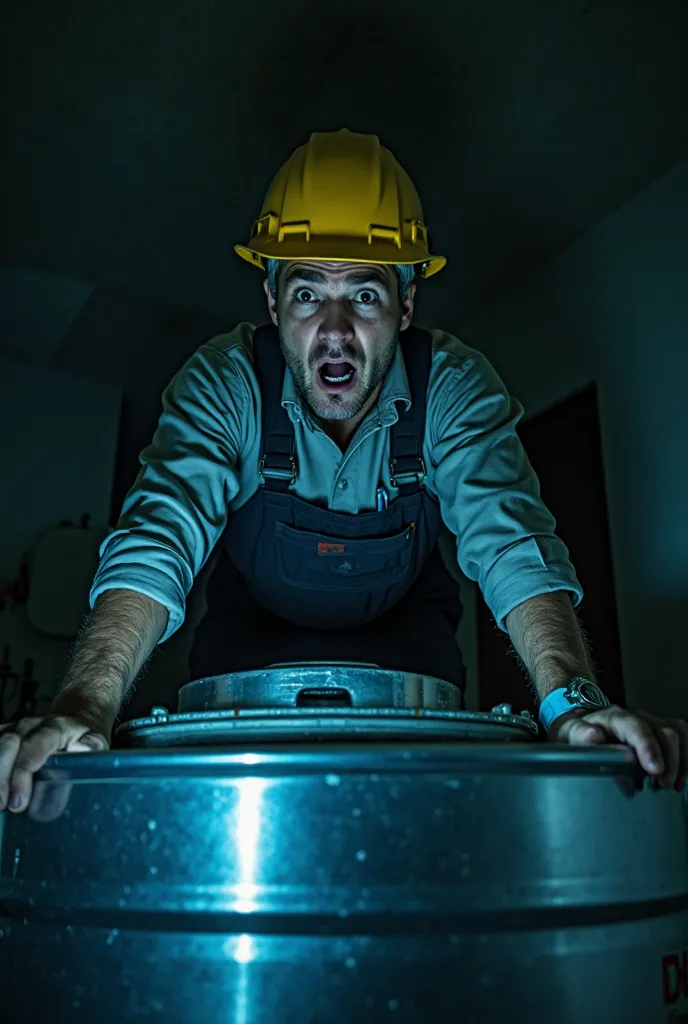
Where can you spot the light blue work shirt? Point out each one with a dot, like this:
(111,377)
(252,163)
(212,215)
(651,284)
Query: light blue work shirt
(202,465)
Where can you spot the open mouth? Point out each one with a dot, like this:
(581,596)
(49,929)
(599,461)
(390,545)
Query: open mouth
(336,376)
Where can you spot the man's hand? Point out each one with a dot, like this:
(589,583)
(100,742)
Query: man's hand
(118,637)
(26,745)
(660,744)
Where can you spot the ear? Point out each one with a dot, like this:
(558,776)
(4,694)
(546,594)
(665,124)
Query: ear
(407,308)
(272,303)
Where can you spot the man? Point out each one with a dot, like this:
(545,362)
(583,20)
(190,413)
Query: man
(320,455)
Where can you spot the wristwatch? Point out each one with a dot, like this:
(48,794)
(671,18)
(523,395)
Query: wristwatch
(580,693)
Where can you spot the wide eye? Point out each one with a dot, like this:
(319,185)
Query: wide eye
(305,296)
(366,296)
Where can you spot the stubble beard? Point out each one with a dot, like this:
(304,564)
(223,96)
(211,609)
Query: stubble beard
(347,404)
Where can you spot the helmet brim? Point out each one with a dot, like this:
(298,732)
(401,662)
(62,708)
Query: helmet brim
(339,251)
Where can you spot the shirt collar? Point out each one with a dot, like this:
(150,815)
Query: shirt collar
(395,388)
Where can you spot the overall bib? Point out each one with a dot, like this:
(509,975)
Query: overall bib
(299,582)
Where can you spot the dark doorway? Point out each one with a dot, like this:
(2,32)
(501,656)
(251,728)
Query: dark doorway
(564,447)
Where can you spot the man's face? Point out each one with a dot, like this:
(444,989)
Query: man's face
(339,324)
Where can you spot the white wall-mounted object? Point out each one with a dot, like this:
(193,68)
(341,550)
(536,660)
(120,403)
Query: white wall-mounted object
(59,438)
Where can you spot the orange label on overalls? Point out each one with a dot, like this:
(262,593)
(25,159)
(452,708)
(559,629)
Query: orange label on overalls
(330,549)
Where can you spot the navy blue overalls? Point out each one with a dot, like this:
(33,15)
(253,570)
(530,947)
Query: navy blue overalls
(297,582)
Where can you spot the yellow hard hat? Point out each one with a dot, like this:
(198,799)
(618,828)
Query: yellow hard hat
(342,197)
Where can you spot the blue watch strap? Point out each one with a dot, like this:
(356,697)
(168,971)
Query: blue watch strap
(580,693)
(555,704)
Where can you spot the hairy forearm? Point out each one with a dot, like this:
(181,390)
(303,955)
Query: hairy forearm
(549,641)
(116,641)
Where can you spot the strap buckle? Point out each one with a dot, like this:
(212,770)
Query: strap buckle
(278,472)
(407,476)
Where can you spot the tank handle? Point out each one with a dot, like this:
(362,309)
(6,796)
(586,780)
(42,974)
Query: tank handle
(324,697)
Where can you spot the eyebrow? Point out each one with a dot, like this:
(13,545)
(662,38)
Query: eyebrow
(358,277)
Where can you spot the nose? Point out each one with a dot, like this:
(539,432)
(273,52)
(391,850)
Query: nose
(335,327)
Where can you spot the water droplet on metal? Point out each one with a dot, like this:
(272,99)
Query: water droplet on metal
(332,780)
(356,812)
(152,824)
(350,961)
(153,870)
(112,935)
(361,855)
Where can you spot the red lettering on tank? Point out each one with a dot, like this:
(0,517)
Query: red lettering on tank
(675,977)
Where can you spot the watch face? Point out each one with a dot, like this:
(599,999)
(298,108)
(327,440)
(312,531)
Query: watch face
(587,693)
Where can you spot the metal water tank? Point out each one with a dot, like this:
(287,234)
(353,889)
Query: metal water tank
(342,844)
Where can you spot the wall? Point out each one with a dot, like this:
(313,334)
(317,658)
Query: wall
(59,435)
(613,307)
(81,381)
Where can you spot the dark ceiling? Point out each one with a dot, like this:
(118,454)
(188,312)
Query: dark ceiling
(143,133)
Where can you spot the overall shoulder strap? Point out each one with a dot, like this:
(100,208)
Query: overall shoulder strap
(407,469)
(277,462)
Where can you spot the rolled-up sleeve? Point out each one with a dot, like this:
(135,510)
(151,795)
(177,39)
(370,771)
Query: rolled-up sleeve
(177,508)
(489,493)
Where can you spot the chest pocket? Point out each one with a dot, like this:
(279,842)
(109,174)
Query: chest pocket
(317,562)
